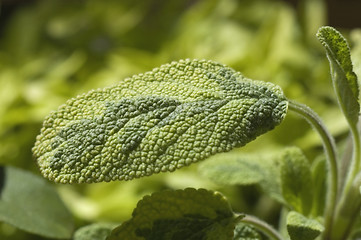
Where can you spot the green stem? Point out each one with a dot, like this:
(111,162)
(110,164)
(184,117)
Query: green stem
(330,149)
(262,226)
(350,201)
(355,164)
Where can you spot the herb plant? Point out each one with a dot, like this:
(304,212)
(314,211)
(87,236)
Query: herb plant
(185,112)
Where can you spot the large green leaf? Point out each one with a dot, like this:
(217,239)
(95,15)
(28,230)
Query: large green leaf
(245,169)
(30,203)
(170,117)
(181,214)
(344,79)
(301,228)
(296,180)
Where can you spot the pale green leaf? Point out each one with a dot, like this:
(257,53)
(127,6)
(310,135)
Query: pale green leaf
(319,171)
(301,228)
(296,180)
(246,232)
(181,214)
(245,169)
(344,79)
(170,117)
(29,203)
(95,231)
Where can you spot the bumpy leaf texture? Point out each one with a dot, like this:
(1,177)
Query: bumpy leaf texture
(344,79)
(192,214)
(164,119)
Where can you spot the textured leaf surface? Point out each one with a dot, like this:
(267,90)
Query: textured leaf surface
(154,122)
(301,228)
(296,180)
(29,203)
(96,231)
(246,232)
(182,214)
(245,169)
(344,79)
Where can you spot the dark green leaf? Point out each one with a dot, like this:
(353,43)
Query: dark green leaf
(30,203)
(245,169)
(176,215)
(301,228)
(296,179)
(175,115)
(344,79)
(96,231)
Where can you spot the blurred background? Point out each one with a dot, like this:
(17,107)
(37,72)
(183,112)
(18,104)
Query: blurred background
(52,50)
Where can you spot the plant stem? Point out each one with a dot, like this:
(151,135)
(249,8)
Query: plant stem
(355,164)
(350,201)
(330,150)
(262,226)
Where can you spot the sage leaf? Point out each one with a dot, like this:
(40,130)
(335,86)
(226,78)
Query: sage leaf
(319,170)
(159,121)
(246,232)
(296,180)
(301,228)
(179,214)
(236,168)
(95,231)
(344,79)
(31,204)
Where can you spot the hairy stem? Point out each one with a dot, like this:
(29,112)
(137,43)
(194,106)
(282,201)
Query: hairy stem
(330,150)
(355,164)
(350,202)
(264,227)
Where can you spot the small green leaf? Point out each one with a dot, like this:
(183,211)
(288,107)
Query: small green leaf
(344,79)
(246,232)
(96,231)
(181,214)
(29,203)
(159,121)
(296,179)
(245,169)
(319,170)
(301,228)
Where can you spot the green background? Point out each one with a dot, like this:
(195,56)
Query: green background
(52,50)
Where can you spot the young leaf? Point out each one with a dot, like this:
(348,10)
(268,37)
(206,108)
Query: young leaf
(29,203)
(96,231)
(170,117)
(296,179)
(245,169)
(319,170)
(181,214)
(344,79)
(246,232)
(301,228)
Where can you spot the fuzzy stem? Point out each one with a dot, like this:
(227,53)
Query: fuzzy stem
(330,150)
(350,201)
(262,226)
(355,164)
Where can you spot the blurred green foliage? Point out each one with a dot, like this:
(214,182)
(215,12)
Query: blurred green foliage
(52,50)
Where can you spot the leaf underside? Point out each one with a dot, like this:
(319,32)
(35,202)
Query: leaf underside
(194,214)
(170,117)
